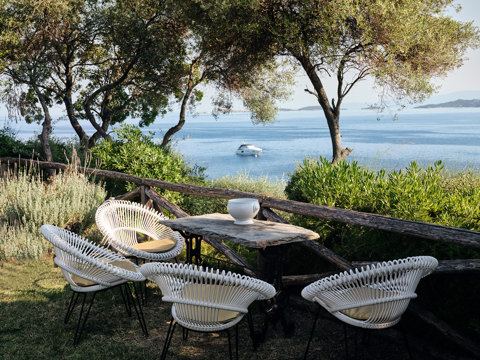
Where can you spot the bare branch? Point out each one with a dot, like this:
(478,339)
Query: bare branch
(311,92)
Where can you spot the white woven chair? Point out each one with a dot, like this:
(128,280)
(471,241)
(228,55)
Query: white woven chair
(372,297)
(124,223)
(90,268)
(206,300)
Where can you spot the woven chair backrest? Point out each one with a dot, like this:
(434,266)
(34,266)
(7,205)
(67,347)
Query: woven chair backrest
(124,222)
(78,256)
(203,292)
(381,291)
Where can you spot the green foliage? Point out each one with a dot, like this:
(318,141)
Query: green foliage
(430,195)
(105,61)
(12,147)
(135,153)
(260,95)
(26,203)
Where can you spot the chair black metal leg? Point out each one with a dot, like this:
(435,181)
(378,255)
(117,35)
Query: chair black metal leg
(311,333)
(236,341)
(229,345)
(252,330)
(145,294)
(138,309)
(168,339)
(405,340)
(184,333)
(355,354)
(71,306)
(79,330)
(346,339)
(126,300)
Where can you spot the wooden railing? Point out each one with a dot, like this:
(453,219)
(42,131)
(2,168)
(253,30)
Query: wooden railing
(149,195)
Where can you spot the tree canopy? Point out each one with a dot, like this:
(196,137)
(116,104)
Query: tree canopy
(109,60)
(402,44)
(104,61)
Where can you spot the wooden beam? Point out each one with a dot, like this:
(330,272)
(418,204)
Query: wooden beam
(441,233)
(303,280)
(444,266)
(164,203)
(450,333)
(129,195)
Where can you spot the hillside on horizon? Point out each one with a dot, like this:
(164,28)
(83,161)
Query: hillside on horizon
(459,103)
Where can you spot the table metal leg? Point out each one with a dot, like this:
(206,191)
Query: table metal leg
(193,245)
(270,265)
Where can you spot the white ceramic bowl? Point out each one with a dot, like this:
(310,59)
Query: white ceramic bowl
(243,210)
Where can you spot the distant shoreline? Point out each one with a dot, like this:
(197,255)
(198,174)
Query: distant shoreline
(460,103)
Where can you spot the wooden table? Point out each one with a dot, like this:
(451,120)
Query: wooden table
(271,239)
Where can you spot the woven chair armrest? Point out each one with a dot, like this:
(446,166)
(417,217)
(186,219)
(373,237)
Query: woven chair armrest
(81,274)
(423,264)
(170,254)
(263,289)
(178,300)
(368,302)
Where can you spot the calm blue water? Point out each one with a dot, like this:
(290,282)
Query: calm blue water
(423,135)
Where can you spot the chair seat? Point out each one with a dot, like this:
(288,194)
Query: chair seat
(363,312)
(156,246)
(80,281)
(208,294)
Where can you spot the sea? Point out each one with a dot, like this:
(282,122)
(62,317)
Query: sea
(389,140)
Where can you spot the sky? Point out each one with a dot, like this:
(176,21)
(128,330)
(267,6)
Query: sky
(465,78)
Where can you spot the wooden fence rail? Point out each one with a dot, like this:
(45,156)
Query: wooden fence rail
(434,232)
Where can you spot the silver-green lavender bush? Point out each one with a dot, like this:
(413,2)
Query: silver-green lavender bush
(27,202)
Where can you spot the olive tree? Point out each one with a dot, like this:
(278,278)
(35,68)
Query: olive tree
(403,45)
(103,61)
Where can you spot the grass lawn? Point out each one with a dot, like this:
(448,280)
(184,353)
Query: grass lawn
(34,297)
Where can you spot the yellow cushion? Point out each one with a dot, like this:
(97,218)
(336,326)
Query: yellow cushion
(126,265)
(360,313)
(364,312)
(79,281)
(200,292)
(155,246)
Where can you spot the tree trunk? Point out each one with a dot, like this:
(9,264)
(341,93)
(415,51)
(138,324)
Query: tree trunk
(44,136)
(82,135)
(181,120)
(332,116)
(339,153)
(106,119)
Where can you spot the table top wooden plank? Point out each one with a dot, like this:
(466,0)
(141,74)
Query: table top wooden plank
(259,235)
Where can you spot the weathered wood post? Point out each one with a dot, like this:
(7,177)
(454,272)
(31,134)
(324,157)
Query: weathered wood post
(4,170)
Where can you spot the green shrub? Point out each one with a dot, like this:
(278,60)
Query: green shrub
(26,203)
(134,153)
(12,147)
(430,195)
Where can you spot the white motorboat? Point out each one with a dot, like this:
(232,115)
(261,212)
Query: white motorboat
(248,149)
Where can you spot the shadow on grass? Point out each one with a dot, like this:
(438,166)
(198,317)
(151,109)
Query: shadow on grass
(34,298)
